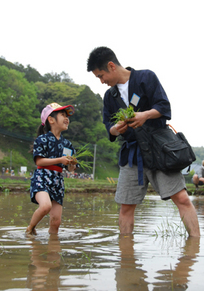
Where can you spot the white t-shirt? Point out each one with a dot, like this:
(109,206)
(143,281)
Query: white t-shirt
(123,89)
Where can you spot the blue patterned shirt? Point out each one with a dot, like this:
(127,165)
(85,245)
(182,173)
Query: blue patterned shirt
(48,146)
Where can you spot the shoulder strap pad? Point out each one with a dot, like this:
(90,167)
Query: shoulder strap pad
(116,94)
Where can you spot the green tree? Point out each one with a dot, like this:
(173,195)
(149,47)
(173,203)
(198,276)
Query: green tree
(87,113)
(199,152)
(108,151)
(32,75)
(96,132)
(54,77)
(18,100)
(62,93)
(17,160)
(87,127)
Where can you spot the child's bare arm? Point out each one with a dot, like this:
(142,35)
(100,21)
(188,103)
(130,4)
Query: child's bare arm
(40,161)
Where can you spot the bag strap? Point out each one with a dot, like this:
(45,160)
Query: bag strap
(116,94)
(172,128)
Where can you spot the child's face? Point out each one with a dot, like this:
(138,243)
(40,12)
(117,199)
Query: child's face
(62,120)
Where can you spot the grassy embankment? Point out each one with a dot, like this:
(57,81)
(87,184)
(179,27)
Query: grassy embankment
(71,185)
(20,184)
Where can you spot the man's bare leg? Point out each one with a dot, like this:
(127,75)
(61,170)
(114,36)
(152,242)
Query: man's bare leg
(187,212)
(126,218)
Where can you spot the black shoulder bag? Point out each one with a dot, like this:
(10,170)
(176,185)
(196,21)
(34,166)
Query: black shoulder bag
(164,149)
(161,148)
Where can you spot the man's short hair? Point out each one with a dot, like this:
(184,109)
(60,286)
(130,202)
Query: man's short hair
(99,59)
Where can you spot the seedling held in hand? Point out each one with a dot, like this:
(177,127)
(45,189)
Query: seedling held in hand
(81,153)
(124,114)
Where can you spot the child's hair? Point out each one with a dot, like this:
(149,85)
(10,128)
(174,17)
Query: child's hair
(100,57)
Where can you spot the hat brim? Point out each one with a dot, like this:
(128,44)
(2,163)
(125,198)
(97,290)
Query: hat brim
(69,109)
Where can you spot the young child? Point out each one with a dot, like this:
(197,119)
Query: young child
(51,154)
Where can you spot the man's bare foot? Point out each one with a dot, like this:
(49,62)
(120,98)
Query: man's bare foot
(31,231)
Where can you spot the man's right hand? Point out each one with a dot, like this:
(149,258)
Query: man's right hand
(119,128)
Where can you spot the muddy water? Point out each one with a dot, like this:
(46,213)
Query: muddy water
(89,254)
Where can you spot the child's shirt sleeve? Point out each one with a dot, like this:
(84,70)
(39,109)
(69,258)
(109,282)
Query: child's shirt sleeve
(39,147)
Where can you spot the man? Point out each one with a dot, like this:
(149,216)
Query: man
(142,90)
(198,177)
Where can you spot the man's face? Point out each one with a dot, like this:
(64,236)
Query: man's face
(105,77)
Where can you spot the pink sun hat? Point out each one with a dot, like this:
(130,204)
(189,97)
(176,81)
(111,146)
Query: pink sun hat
(55,107)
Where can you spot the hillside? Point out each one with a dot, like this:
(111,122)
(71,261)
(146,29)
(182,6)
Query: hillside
(15,152)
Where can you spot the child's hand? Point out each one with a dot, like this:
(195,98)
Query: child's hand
(65,161)
(72,160)
(71,167)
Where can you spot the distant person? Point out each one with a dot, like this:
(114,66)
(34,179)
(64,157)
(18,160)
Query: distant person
(198,177)
(143,90)
(3,170)
(50,155)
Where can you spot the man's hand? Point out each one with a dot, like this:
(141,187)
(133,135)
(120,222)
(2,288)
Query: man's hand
(141,117)
(119,128)
(138,120)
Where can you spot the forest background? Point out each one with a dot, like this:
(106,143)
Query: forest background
(24,92)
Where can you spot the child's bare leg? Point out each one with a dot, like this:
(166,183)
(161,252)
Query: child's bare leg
(29,230)
(45,205)
(55,217)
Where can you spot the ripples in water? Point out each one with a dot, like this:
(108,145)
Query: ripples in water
(89,254)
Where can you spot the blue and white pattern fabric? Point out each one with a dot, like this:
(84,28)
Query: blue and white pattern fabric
(48,146)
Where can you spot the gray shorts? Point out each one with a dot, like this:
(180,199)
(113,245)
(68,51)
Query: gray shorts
(165,184)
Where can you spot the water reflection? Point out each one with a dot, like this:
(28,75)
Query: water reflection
(130,275)
(44,270)
(178,278)
(88,254)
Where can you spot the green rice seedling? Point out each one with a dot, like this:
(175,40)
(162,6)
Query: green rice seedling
(6,191)
(81,153)
(156,233)
(124,114)
(87,258)
(171,230)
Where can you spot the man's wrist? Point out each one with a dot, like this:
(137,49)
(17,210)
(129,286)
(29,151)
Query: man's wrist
(114,131)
